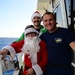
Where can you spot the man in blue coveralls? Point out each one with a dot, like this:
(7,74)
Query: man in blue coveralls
(60,43)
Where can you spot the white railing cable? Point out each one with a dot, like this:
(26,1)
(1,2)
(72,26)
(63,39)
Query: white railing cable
(0,65)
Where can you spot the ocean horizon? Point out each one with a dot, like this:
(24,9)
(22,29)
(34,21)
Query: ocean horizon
(4,41)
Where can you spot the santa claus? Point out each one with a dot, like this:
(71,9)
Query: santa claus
(34,50)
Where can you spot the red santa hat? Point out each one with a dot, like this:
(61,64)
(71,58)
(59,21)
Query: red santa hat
(36,13)
(29,30)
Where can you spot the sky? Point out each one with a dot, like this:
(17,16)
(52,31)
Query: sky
(15,15)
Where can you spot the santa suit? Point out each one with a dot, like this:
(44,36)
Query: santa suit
(37,61)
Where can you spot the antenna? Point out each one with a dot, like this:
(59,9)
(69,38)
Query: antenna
(45,9)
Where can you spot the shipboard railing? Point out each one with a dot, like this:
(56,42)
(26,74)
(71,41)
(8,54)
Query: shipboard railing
(0,65)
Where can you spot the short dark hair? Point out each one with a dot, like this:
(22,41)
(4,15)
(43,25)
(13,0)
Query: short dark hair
(29,26)
(49,13)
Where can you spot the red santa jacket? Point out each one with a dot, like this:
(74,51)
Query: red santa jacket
(41,60)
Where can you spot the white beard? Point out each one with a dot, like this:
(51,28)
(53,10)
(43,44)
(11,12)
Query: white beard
(31,45)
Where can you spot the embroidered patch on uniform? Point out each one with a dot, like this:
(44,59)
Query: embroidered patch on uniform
(58,40)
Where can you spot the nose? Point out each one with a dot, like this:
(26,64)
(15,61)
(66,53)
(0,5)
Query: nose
(48,22)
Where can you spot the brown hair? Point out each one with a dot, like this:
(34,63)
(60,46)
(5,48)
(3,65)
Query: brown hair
(29,26)
(49,13)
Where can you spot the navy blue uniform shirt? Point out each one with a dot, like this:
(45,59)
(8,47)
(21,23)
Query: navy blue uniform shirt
(59,51)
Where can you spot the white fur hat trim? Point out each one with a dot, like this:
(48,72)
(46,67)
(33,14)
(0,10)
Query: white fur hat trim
(29,30)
